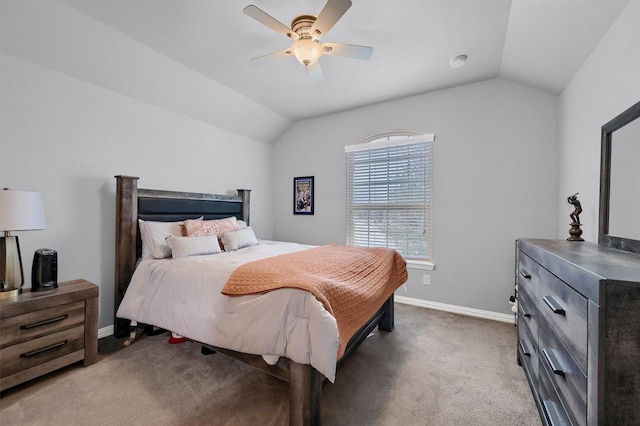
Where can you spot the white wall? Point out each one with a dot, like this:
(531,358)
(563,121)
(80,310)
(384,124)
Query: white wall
(607,84)
(67,138)
(495,179)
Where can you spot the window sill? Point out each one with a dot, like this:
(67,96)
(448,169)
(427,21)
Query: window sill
(421,264)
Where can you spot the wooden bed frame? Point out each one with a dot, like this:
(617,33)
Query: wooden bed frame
(133,203)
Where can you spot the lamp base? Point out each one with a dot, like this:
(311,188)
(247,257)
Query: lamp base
(10,293)
(11,273)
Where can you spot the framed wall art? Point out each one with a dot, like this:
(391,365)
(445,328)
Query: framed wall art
(303,195)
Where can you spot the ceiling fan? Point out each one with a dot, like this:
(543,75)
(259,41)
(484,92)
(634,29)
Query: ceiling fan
(306,31)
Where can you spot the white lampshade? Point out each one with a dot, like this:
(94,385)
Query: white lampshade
(21,211)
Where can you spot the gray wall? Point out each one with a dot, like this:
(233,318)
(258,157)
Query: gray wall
(495,179)
(606,84)
(66,138)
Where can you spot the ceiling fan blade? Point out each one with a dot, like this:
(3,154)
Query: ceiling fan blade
(330,14)
(269,21)
(348,50)
(315,72)
(272,56)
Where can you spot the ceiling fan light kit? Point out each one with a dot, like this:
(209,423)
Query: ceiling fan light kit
(306,31)
(306,51)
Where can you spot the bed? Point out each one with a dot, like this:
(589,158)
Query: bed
(139,299)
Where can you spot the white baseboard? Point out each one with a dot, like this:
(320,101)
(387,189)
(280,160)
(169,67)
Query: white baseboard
(105,331)
(495,316)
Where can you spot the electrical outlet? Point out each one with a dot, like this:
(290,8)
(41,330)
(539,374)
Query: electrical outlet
(426,279)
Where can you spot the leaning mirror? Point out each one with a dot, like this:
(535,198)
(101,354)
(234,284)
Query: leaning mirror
(620,182)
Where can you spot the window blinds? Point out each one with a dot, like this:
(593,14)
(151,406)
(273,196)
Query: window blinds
(389,196)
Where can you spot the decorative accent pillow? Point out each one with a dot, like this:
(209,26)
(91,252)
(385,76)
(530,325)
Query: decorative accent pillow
(198,228)
(235,240)
(193,246)
(154,234)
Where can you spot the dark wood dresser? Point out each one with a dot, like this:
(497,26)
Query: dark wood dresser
(43,331)
(579,331)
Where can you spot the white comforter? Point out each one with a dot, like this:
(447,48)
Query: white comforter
(183,295)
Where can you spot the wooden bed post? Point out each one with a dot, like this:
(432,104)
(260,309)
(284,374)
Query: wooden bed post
(126,217)
(245,194)
(305,391)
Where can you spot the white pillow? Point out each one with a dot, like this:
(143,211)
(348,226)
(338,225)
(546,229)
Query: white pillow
(241,224)
(146,246)
(238,239)
(193,246)
(154,234)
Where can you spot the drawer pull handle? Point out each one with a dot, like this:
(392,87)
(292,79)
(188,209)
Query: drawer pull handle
(524,349)
(550,408)
(524,314)
(555,306)
(41,350)
(45,322)
(525,273)
(553,362)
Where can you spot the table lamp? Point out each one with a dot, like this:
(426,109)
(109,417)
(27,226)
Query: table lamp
(19,211)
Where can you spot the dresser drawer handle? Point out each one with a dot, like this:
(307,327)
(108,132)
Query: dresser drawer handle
(553,415)
(524,349)
(553,362)
(46,348)
(521,309)
(551,303)
(525,273)
(45,322)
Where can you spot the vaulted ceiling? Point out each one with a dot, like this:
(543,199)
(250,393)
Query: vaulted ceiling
(540,43)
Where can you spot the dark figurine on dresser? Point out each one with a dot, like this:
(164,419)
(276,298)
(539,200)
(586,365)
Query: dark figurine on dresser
(575,232)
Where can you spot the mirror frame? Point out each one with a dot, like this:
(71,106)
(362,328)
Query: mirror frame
(620,243)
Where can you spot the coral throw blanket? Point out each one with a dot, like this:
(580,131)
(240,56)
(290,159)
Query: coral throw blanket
(351,282)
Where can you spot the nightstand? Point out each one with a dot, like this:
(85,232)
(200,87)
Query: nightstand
(43,331)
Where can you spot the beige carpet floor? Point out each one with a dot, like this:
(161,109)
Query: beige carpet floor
(435,368)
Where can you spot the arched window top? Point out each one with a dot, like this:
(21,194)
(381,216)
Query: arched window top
(389,138)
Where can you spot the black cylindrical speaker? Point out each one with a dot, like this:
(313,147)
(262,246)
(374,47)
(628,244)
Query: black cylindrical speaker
(44,272)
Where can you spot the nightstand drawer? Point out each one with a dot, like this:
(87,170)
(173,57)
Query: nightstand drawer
(41,332)
(38,323)
(37,351)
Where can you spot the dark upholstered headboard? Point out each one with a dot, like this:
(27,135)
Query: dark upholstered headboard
(133,203)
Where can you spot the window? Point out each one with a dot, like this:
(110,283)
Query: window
(389,194)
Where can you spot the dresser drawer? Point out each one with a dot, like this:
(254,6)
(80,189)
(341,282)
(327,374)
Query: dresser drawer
(38,323)
(554,411)
(564,308)
(527,309)
(526,268)
(37,351)
(564,373)
(528,350)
